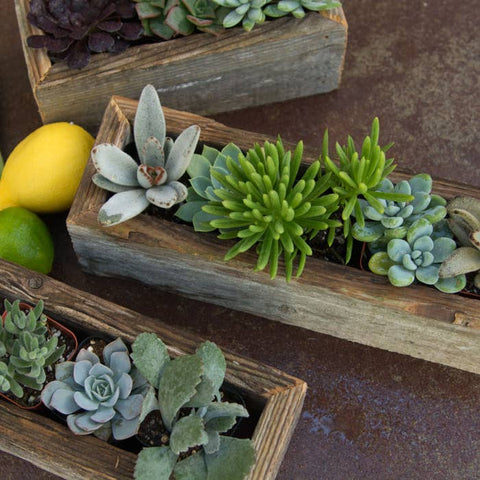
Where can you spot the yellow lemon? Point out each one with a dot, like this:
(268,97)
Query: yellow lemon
(25,239)
(44,170)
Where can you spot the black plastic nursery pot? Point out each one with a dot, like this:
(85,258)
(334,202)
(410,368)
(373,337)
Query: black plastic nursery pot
(274,399)
(329,298)
(52,324)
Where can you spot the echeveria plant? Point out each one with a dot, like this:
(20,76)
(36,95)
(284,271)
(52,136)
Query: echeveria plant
(186,392)
(26,349)
(419,257)
(297,7)
(162,162)
(103,399)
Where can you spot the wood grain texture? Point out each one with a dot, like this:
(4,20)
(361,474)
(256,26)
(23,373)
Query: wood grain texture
(201,73)
(329,298)
(280,395)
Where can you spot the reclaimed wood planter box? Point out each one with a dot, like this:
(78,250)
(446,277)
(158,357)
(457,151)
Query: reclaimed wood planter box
(329,298)
(280,60)
(271,396)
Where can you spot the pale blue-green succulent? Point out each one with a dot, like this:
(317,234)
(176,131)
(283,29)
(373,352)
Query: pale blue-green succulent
(26,349)
(297,7)
(464,221)
(397,216)
(103,399)
(419,257)
(191,384)
(162,163)
(249,12)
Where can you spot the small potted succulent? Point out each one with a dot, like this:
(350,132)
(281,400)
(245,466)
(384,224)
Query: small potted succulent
(31,344)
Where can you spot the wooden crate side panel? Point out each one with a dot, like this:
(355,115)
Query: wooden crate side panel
(348,310)
(52,447)
(283,59)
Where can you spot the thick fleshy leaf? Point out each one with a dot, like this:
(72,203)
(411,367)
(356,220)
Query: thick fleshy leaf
(200,184)
(409,263)
(150,356)
(123,206)
(233,460)
(204,395)
(119,363)
(177,21)
(153,154)
(420,202)
(187,432)
(85,423)
(150,403)
(100,42)
(392,222)
(72,425)
(214,364)
(63,401)
(189,209)
(370,232)
(150,176)
(110,402)
(181,190)
(131,31)
(419,228)
(125,384)
(163,196)
(131,407)
(213,443)
(452,284)
(85,402)
(428,274)
(221,424)
(115,165)
(155,463)
(400,277)
(102,182)
(177,385)
(64,371)
(232,19)
(123,428)
(103,415)
(116,346)
(149,119)
(192,468)
(182,152)
(199,166)
(397,248)
(81,371)
(99,369)
(224,409)
(424,244)
(462,260)
(201,222)
(421,183)
(85,354)
(442,248)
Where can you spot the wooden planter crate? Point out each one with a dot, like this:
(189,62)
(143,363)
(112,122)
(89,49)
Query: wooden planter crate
(276,396)
(337,300)
(280,60)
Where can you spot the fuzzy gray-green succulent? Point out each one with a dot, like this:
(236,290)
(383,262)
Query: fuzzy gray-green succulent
(193,414)
(419,257)
(162,163)
(297,7)
(397,216)
(103,399)
(464,221)
(25,349)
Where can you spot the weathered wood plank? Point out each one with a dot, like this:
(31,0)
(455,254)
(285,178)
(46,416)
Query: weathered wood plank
(280,395)
(203,73)
(52,447)
(328,298)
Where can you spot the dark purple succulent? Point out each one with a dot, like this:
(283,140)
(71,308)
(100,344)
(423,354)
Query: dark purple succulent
(75,28)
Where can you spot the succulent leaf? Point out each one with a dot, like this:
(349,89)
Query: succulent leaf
(155,463)
(186,433)
(192,468)
(123,206)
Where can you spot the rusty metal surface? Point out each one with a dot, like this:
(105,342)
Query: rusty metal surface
(368,413)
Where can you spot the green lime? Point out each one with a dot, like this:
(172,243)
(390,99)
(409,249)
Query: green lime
(25,239)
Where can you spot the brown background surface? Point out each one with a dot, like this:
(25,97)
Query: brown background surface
(368,413)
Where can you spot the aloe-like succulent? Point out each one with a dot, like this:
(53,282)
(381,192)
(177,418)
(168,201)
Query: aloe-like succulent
(162,162)
(193,414)
(258,199)
(103,399)
(249,12)
(26,349)
(380,228)
(418,256)
(297,7)
(464,221)
(360,175)
(169,18)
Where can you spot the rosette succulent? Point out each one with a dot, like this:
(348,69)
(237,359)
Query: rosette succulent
(464,221)
(26,349)
(419,256)
(162,162)
(360,175)
(73,29)
(398,216)
(169,18)
(258,199)
(103,399)
(249,12)
(297,7)
(193,415)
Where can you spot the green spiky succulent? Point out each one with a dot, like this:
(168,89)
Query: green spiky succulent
(26,349)
(360,175)
(249,12)
(169,18)
(186,393)
(262,203)
(297,7)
